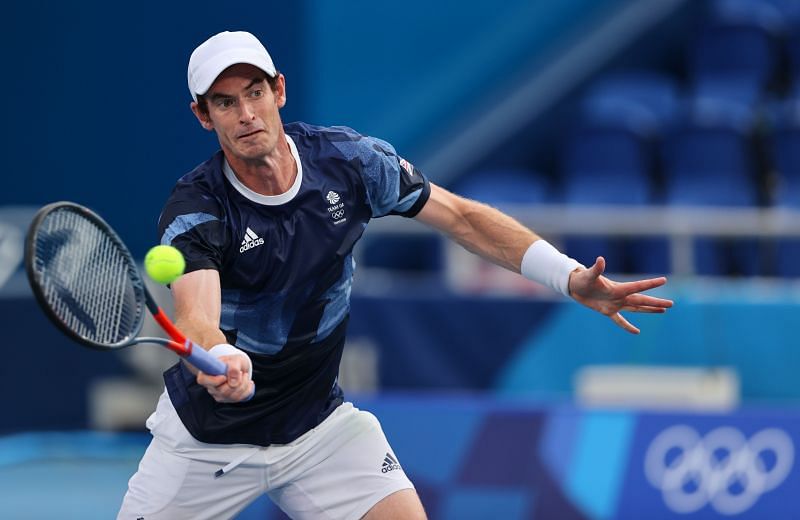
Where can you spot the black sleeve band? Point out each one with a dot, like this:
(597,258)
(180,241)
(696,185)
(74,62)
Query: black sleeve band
(410,182)
(424,195)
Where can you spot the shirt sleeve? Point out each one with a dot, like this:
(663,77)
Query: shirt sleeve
(394,186)
(194,224)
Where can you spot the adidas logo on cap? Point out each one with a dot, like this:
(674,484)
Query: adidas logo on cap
(389,464)
(250,241)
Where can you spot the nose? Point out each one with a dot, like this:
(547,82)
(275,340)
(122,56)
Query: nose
(246,114)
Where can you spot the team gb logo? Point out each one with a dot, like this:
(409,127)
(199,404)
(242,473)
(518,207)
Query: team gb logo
(332,197)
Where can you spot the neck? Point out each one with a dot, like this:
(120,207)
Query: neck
(272,174)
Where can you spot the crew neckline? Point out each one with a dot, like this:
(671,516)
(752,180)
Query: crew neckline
(268,200)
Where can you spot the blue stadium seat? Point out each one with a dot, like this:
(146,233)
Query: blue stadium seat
(652,94)
(609,159)
(770,14)
(606,165)
(504,186)
(793,53)
(736,54)
(410,254)
(602,165)
(785,152)
(708,146)
(708,162)
(788,10)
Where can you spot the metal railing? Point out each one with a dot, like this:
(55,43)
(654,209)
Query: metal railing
(680,225)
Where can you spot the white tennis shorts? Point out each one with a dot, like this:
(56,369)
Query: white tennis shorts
(338,470)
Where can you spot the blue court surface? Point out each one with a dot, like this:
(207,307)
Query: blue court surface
(68,475)
(477,458)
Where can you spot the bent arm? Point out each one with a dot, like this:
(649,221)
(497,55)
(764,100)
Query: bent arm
(197,297)
(479,228)
(198,304)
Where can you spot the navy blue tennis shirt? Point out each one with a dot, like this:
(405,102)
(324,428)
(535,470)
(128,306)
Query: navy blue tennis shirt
(286,269)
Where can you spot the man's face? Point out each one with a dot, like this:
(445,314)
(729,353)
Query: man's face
(243,110)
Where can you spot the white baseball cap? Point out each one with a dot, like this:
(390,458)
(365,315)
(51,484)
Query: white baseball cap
(221,51)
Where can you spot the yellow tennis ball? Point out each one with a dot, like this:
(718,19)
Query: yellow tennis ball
(164,264)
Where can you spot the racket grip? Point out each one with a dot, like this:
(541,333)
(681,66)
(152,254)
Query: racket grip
(202,360)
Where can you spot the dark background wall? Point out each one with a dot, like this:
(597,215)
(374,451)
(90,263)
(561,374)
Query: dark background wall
(96,103)
(96,107)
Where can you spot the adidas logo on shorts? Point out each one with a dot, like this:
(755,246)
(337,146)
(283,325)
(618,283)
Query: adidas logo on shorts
(389,464)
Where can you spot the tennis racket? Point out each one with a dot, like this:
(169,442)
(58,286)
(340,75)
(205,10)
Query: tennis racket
(87,283)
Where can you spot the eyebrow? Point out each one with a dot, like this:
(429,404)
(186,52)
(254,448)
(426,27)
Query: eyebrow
(216,96)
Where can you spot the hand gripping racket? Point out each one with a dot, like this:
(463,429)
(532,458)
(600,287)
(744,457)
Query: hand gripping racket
(86,282)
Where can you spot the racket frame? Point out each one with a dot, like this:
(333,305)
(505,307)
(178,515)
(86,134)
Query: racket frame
(179,343)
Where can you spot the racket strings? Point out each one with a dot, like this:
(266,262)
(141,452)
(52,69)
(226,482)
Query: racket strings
(87,278)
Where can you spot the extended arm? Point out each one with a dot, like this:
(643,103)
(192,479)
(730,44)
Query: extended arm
(197,298)
(479,228)
(499,238)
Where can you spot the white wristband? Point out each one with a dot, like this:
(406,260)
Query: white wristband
(225,349)
(543,263)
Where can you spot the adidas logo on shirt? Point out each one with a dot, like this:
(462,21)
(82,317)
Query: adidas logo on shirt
(389,464)
(250,241)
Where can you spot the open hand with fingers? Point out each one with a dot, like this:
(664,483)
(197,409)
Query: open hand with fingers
(592,289)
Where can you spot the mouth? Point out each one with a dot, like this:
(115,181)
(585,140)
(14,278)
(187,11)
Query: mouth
(249,134)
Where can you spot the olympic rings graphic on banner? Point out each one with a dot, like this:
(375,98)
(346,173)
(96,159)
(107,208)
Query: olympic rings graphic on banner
(692,471)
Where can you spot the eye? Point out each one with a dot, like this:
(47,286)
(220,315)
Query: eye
(257,93)
(225,103)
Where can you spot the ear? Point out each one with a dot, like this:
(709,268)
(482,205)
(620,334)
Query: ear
(280,91)
(202,117)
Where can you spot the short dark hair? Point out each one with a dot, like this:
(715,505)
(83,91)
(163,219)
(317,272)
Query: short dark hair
(202,102)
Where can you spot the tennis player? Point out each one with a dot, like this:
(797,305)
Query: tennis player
(267,226)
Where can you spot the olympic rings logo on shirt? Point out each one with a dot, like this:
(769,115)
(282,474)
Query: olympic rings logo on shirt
(337,214)
(723,468)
